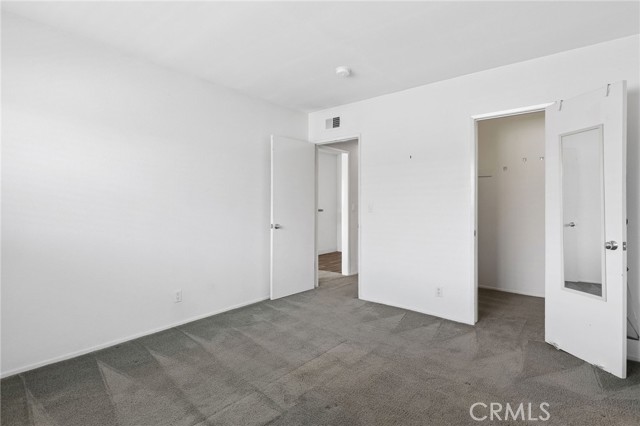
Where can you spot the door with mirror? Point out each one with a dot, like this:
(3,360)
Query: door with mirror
(585,282)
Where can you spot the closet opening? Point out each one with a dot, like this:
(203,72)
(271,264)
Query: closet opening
(510,217)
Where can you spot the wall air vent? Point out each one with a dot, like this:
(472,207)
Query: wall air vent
(332,123)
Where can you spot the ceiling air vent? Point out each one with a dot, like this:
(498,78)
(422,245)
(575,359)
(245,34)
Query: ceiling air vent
(332,123)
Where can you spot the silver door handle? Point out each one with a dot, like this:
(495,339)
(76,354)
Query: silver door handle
(611,245)
(276,226)
(570,224)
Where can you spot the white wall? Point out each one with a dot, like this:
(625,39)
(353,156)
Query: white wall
(352,148)
(511,204)
(328,202)
(416,189)
(122,182)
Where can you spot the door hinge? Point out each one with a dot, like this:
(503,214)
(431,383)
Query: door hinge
(624,246)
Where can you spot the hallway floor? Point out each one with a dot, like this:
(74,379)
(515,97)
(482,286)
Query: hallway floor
(324,357)
(331,262)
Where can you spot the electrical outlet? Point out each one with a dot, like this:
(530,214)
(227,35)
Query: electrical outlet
(178,296)
(439,292)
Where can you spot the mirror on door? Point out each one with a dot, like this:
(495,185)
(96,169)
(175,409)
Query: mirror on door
(583,211)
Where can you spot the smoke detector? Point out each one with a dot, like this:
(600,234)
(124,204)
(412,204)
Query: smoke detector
(343,72)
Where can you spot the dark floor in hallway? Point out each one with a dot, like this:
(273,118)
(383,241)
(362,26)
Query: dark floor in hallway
(324,357)
(331,262)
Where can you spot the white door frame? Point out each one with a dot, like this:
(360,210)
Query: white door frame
(343,156)
(474,186)
(319,144)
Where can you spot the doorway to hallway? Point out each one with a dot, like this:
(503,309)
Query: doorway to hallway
(337,209)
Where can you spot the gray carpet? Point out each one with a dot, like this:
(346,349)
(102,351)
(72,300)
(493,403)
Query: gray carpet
(591,288)
(326,358)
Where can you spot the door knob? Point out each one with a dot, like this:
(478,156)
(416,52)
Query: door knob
(611,245)
(570,224)
(276,226)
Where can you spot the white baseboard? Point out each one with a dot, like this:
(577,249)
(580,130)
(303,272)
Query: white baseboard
(123,340)
(633,346)
(417,310)
(508,290)
(328,251)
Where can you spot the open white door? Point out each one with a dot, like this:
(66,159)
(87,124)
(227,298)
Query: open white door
(293,195)
(586,258)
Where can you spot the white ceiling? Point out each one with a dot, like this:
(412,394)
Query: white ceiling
(286,52)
